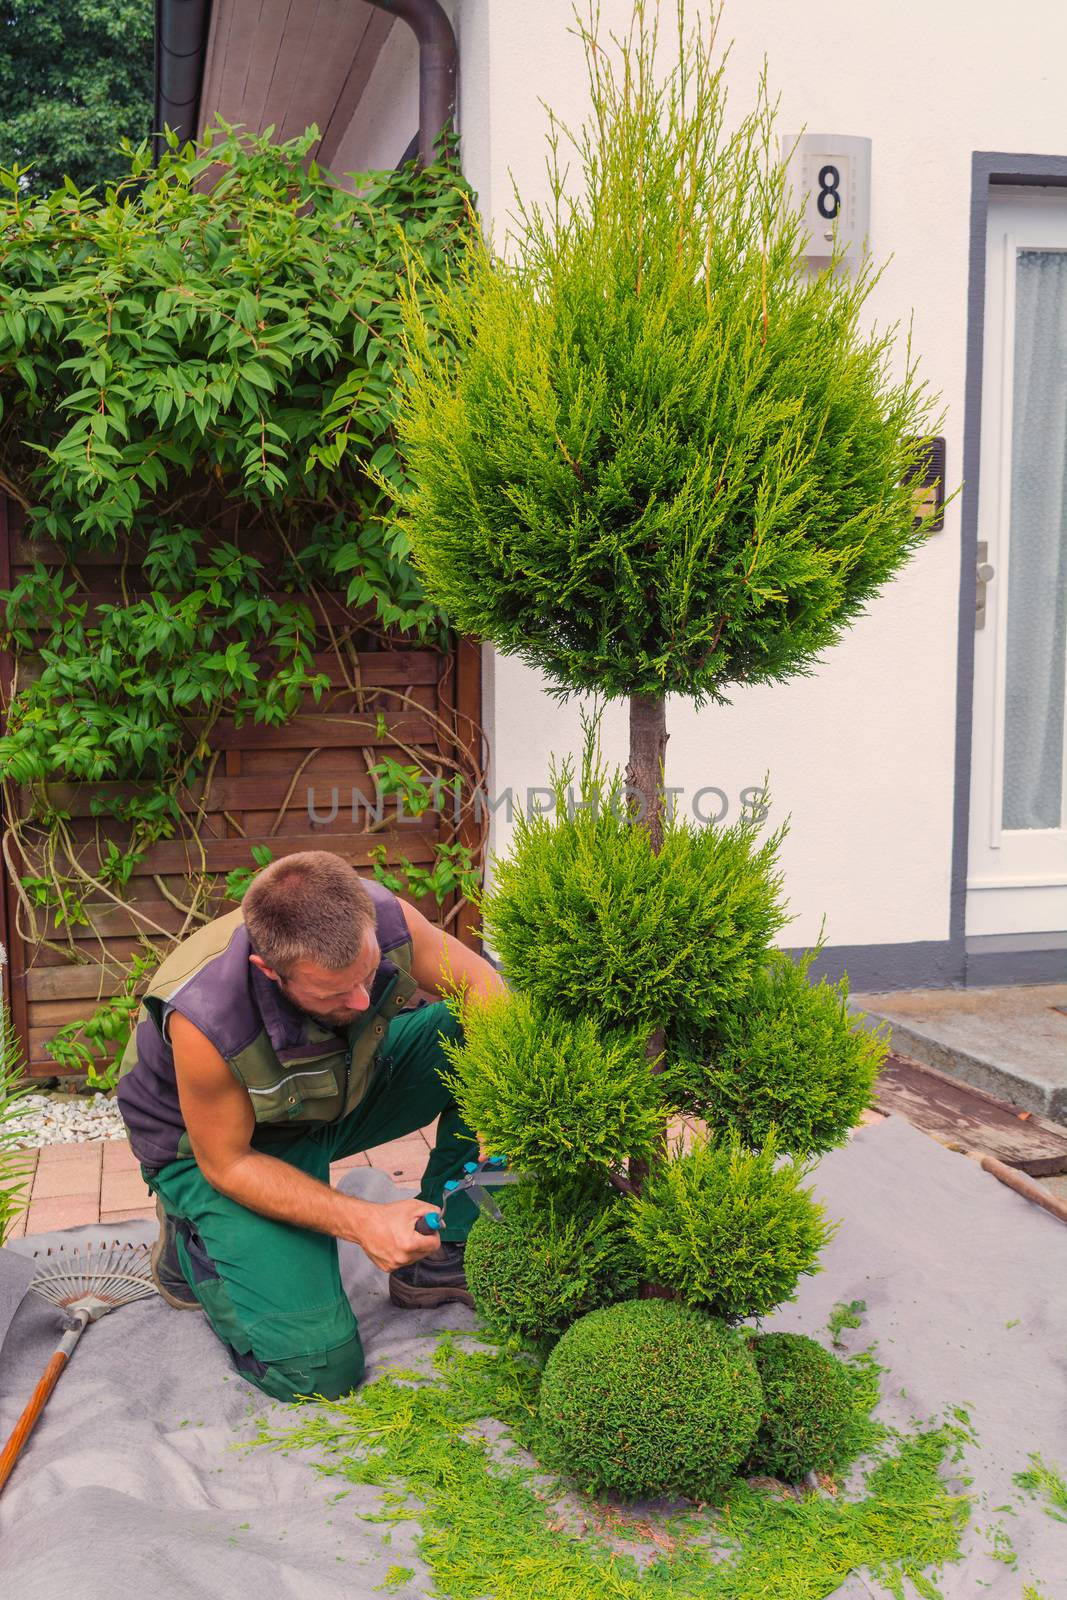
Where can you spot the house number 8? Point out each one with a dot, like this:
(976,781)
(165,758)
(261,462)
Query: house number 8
(829,198)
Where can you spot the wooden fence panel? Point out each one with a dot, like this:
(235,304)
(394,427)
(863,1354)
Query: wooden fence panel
(306,785)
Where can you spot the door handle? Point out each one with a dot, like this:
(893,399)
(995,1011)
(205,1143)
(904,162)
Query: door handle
(984,574)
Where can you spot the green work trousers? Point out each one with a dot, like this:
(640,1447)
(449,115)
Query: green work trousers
(271,1291)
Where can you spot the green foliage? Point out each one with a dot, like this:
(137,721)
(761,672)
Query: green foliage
(239,881)
(844,1316)
(230,317)
(114,694)
(75,79)
(728,1229)
(553,1258)
(648,1398)
(508,1073)
(452,870)
(488,1525)
(396,1578)
(655,456)
(15,1168)
(221,330)
(808,1406)
(1044,1482)
(587,919)
(788,1056)
(197,379)
(95,1046)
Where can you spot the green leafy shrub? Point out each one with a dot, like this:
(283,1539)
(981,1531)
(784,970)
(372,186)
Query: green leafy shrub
(588,920)
(96,1045)
(808,1408)
(555,1257)
(649,1398)
(789,1057)
(237,374)
(728,1229)
(508,1073)
(197,381)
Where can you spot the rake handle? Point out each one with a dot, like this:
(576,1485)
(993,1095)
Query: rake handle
(39,1399)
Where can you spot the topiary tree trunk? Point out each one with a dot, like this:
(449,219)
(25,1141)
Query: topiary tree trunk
(648,754)
(645,774)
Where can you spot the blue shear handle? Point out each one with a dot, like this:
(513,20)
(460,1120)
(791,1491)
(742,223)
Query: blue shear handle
(429,1223)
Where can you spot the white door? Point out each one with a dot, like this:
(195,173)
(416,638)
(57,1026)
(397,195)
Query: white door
(1017,869)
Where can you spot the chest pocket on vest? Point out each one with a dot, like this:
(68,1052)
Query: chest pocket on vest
(280,1090)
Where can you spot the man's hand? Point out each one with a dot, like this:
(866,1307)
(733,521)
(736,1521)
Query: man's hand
(386,1233)
(218,1114)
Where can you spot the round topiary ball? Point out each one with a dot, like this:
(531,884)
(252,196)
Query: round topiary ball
(552,1259)
(808,1408)
(649,1398)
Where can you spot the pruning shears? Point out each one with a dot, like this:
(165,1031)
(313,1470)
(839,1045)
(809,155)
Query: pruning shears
(478,1178)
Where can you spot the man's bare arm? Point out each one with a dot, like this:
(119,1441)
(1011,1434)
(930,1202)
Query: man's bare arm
(440,962)
(220,1120)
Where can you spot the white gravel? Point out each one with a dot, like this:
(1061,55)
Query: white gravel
(63,1119)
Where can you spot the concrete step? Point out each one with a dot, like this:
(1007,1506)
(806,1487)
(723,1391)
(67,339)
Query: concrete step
(1010,1041)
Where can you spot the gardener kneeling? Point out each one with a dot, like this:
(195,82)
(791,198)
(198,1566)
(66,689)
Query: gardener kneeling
(273,1041)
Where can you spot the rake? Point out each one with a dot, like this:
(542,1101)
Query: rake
(86,1285)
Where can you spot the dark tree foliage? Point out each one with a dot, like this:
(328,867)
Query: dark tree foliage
(75,78)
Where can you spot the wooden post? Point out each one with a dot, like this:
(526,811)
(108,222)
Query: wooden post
(468,732)
(15,969)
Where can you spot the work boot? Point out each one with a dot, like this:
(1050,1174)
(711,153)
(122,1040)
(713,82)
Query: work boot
(167,1274)
(433,1280)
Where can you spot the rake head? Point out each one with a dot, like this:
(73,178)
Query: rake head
(96,1280)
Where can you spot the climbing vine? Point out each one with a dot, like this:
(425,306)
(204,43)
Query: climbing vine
(197,380)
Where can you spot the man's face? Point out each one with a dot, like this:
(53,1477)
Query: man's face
(333,995)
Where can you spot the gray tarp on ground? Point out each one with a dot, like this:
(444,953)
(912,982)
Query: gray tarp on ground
(130,1487)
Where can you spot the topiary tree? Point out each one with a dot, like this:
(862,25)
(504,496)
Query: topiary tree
(654,456)
(728,1229)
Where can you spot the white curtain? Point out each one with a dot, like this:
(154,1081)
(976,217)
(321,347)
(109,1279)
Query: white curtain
(1037,580)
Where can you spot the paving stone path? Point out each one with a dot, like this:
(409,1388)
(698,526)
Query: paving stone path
(101,1181)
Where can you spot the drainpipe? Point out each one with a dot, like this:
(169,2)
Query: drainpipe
(437,68)
(181,42)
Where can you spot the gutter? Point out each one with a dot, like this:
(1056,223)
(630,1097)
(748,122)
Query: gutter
(181,49)
(438,56)
(181,46)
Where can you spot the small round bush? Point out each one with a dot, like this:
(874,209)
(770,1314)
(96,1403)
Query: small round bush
(808,1408)
(552,1259)
(790,1056)
(649,1398)
(728,1229)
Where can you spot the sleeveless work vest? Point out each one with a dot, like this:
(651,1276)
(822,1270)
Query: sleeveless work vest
(298,1072)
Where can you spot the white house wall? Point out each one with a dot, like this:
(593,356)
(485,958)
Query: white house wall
(861,755)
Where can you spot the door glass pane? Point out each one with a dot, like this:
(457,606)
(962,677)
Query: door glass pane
(1037,581)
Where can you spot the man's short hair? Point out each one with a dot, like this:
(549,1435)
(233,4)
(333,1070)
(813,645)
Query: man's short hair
(309,906)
